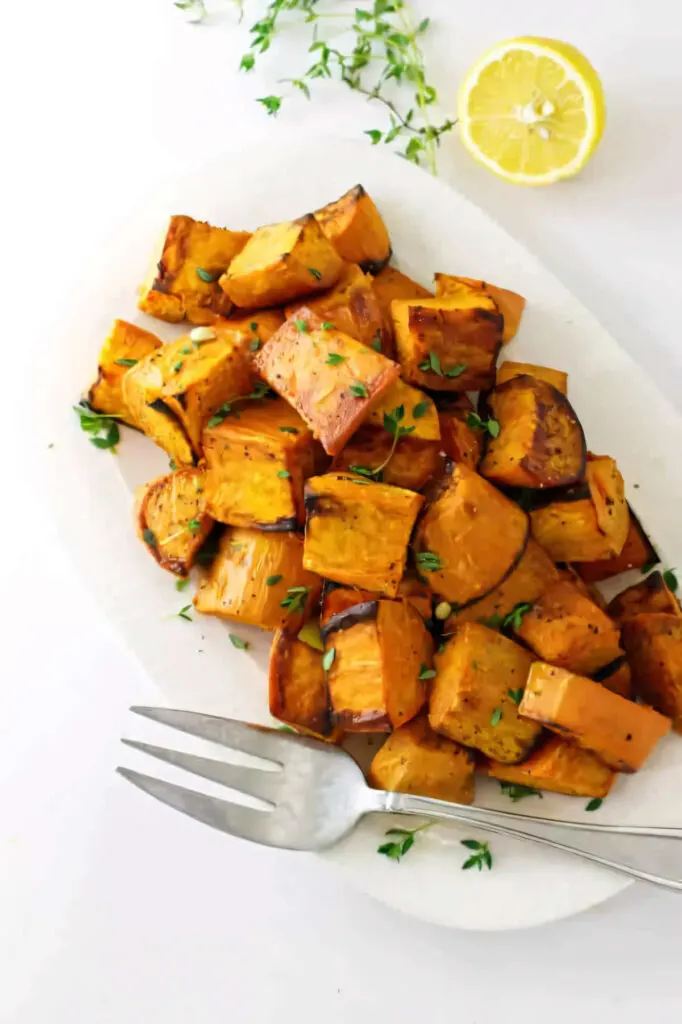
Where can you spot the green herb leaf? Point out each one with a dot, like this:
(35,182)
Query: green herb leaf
(457,370)
(302,326)
(272,580)
(182,584)
(184,613)
(431,364)
(493,428)
(420,409)
(481,858)
(594,804)
(496,716)
(670,580)
(376,343)
(426,673)
(513,620)
(516,695)
(149,537)
(362,470)
(255,345)
(327,325)
(206,275)
(236,641)
(247,62)
(102,426)
(296,598)
(194,526)
(315,273)
(125,362)
(396,850)
(476,423)
(515,791)
(177,366)
(328,658)
(172,464)
(359,390)
(334,358)
(651,564)
(272,104)
(375,135)
(284,474)
(428,561)
(289,430)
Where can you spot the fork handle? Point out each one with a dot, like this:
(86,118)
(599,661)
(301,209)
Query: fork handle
(649,854)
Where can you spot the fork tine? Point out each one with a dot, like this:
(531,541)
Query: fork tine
(249,739)
(234,819)
(257,782)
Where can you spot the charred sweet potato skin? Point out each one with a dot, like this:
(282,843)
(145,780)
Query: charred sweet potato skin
(235,585)
(172,520)
(257,463)
(650,595)
(332,398)
(372,554)
(637,552)
(565,627)
(281,263)
(464,338)
(470,701)
(337,601)
(616,677)
(415,759)
(476,533)
(540,442)
(354,227)
(509,369)
(412,464)
(559,767)
(653,641)
(621,733)
(174,289)
(298,688)
(125,342)
(510,304)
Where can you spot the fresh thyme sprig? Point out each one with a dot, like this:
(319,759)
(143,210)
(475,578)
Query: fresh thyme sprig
(392,426)
(374,50)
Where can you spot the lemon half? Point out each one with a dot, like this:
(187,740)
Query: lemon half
(532,110)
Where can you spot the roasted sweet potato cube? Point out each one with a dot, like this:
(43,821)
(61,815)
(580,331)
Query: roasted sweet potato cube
(353,308)
(621,733)
(557,378)
(540,441)
(510,304)
(531,577)
(448,344)
(259,325)
(331,379)
(415,759)
(475,693)
(651,595)
(589,522)
(354,227)
(461,441)
(298,684)
(183,280)
(257,463)
(565,627)
(381,648)
(357,531)
(410,464)
(125,346)
(172,520)
(616,677)
(637,552)
(470,537)
(560,767)
(416,412)
(174,391)
(258,578)
(653,641)
(280,263)
(390,284)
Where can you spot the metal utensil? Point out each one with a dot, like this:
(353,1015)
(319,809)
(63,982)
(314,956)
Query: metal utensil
(313,794)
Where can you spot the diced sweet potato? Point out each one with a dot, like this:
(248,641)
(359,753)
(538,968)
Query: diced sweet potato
(259,578)
(390,284)
(419,413)
(183,280)
(353,308)
(589,524)
(557,378)
(412,463)
(460,441)
(174,391)
(380,650)
(257,462)
(653,641)
(651,595)
(637,552)
(415,759)
(510,304)
(475,694)
(354,227)
(568,629)
(417,593)
(124,347)
(621,733)
(531,577)
(616,677)
(560,767)
(331,379)
(280,263)
(470,537)
(540,441)
(298,684)
(172,520)
(448,344)
(259,325)
(357,532)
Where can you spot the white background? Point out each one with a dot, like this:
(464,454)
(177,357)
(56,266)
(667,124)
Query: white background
(113,909)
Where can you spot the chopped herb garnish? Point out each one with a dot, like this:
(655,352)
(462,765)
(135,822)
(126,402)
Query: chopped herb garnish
(149,537)
(236,641)
(398,848)
(457,370)
(334,358)
(376,342)
(178,366)
(182,584)
(426,673)
(392,425)
(362,470)
(253,325)
(516,695)
(515,791)
(184,613)
(194,526)
(125,362)
(328,658)
(420,409)
(513,620)
(494,622)
(271,103)
(187,350)
(260,390)
(359,390)
(428,561)
(272,580)
(315,273)
(102,427)
(431,364)
(285,728)
(172,464)
(284,474)
(302,326)
(295,600)
(496,716)
(476,423)
(594,804)
(206,275)
(255,345)
(327,325)
(670,580)
(648,566)
(481,856)
(360,483)
(289,430)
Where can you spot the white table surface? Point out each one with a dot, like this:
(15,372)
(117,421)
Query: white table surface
(113,909)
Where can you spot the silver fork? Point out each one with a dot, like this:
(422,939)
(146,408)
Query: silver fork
(314,794)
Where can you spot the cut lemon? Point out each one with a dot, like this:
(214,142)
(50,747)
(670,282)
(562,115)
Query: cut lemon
(532,110)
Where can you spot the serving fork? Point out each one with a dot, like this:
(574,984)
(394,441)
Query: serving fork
(313,794)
